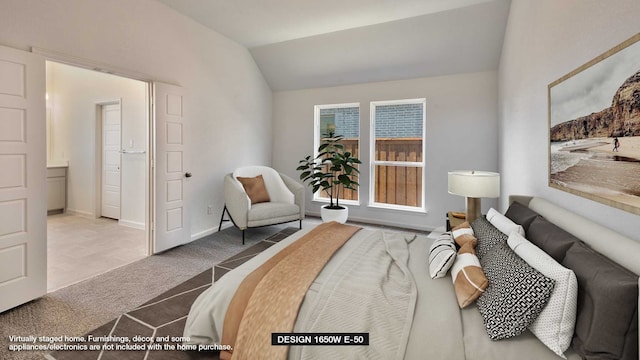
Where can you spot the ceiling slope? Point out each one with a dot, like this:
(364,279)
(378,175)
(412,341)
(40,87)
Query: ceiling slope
(463,40)
(260,22)
(309,44)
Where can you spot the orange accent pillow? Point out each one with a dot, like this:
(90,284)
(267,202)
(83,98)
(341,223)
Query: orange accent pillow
(463,234)
(469,280)
(255,189)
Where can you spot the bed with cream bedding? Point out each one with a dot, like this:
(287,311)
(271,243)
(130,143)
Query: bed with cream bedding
(429,323)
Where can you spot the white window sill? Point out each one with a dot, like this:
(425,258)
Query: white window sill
(342,202)
(398,208)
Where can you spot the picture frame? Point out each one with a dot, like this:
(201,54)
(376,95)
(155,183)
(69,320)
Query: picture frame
(594,128)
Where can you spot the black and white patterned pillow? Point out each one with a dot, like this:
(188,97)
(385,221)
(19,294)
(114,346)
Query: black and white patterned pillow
(488,236)
(516,294)
(442,255)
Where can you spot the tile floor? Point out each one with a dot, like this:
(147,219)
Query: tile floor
(79,248)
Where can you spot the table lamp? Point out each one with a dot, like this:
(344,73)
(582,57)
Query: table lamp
(474,185)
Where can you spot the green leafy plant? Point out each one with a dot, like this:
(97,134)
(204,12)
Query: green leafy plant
(333,168)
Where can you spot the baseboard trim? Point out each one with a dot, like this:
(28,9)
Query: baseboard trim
(380,222)
(132,224)
(201,234)
(81,213)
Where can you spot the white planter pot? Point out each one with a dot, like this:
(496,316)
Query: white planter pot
(339,215)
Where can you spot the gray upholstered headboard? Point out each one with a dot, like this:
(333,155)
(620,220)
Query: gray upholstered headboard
(617,247)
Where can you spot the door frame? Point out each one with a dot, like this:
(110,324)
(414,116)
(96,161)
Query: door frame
(98,152)
(50,55)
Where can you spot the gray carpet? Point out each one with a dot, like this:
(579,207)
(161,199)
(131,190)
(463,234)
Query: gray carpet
(76,309)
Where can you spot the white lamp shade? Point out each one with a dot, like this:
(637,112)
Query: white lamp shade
(475,184)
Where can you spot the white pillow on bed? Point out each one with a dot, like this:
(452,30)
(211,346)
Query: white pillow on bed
(503,223)
(442,254)
(555,324)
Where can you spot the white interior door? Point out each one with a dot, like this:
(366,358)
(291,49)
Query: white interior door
(111,125)
(23,194)
(171,225)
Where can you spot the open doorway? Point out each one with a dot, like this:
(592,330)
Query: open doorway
(97,172)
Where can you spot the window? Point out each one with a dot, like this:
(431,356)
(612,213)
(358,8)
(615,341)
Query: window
(397,153)
(339,119)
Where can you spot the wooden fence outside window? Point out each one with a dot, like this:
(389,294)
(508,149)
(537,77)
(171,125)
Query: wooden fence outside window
(398,185)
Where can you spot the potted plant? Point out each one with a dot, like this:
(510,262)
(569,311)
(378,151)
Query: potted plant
(332,169)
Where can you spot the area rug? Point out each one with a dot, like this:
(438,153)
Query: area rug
(154,329)
(74,310)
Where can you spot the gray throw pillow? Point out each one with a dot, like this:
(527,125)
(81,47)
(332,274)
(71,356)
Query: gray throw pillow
(521,214)
(550,238)
(607,317)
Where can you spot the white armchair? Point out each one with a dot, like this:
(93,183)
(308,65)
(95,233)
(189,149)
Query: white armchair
(286,200)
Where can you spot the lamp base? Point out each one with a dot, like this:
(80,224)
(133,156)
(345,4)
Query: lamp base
(473,209)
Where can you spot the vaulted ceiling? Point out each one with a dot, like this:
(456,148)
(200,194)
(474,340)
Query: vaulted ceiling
(300,44)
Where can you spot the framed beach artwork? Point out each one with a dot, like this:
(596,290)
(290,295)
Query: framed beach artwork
(594,129)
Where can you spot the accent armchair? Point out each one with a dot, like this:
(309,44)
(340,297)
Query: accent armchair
(286,199)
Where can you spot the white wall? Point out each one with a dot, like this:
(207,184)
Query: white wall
(545,40)
(228,104)
(461,133)
(73,96)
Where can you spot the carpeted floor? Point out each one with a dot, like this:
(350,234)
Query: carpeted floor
(79,308)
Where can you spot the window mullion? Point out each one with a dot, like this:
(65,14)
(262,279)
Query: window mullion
(399,163)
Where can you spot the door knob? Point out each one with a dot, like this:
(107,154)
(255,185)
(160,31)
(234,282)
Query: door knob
(187,174)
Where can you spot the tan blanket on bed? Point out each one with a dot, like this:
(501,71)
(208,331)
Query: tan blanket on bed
(268,299)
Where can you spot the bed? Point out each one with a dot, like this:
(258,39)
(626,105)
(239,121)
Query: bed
(435,326)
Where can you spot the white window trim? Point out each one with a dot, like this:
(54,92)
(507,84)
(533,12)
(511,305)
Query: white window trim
(316,144)
(372,148)
(319,199)
(415,209)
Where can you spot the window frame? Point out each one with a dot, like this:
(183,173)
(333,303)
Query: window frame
(316,144)
(373,162)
